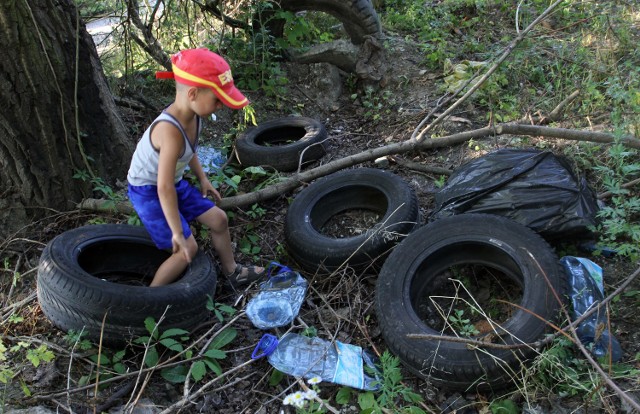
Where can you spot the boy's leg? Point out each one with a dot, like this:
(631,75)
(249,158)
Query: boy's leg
(147,204)
(216,220)
(171,268)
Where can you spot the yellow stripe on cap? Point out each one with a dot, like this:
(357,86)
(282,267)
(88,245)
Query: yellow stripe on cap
(193,78)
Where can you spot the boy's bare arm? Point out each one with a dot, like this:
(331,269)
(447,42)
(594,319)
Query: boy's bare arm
(169,140)
(205,185)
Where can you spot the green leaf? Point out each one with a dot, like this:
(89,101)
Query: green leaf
(174,332)
(226,309)
(411,396)
(25,389)
(215,354)
(104,360)
(150,324)
(218,314)
(143,340)
(120,368)
(503,407)
(198,370)
(172,344)
(84,380)
(275,378)
(366,400)
(224,338)
(117,357)
(343,396)
(151,360)
(214,366)
(175,375)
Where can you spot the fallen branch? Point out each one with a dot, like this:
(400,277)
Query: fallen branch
(301,178)
(554,115)
(416,166)
(608,194)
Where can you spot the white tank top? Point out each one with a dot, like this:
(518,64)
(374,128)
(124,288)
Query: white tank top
(144,164)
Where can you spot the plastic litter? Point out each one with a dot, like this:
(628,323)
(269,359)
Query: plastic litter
(533,187)
(587,290)
(210,158)
(279,299)
(335,362)
(265,346)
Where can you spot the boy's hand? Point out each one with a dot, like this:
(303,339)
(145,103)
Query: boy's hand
(180,244)
(208,190)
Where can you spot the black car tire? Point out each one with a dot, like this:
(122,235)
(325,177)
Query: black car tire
(81,275)
(282,142)
(368,189)
(409,275)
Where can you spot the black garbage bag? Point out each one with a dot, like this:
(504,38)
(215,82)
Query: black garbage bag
(535,188)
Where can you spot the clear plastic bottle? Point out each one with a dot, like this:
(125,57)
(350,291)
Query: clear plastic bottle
(279,299)
(335,362)
(210,158)
(587,290)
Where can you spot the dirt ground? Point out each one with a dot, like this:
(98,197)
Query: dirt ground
(339,306)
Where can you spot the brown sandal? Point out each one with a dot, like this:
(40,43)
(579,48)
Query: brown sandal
(236,278)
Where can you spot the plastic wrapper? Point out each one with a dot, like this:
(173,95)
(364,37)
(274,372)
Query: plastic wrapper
(587,291)
(334,362)
(534,188)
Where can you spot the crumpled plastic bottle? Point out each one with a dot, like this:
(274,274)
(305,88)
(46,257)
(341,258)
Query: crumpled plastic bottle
(335,362)
(210,158)
(279,299)
(587,290)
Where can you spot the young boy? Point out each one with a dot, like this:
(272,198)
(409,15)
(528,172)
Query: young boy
(163,199)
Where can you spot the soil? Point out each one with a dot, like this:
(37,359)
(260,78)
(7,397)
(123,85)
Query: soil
(339,305)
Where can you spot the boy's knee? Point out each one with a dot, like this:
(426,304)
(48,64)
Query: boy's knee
(192,246)
(217,219)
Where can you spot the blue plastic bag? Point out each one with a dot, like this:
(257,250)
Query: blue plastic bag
(587,290)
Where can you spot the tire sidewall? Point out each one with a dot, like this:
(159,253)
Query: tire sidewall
(401,203)
(72,298)
(398,318)
(282,157)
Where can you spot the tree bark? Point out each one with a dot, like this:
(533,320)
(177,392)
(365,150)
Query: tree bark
(59,116)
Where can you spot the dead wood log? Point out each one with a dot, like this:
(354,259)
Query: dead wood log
(302,178)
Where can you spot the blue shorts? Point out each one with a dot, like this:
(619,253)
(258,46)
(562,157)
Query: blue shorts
(145,201)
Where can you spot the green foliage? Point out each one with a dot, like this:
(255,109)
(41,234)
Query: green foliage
(393,395)
(504,407)
(376,102)
(618,226)
(561,370)
(219,309)
(174,340)
(75,339)
(249,244)
(35,355)
(462,325)
(6,373)
(440,181)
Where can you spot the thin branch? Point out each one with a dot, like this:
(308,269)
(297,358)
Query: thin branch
(491,70)
(608,194)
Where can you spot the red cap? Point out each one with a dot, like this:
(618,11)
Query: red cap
(206,69)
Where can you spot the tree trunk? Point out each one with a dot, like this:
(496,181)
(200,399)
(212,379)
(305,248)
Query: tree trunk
(58,116)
